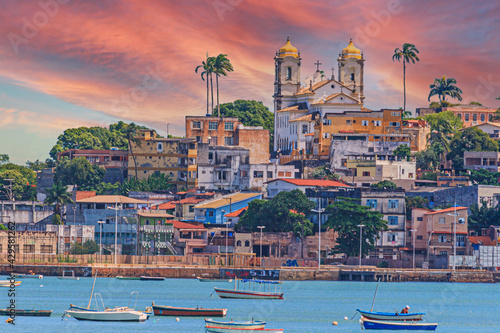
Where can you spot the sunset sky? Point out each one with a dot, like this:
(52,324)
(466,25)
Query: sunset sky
(91,63)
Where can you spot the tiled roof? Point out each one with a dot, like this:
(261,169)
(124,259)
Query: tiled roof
(225,200)
(295,107)
(307,117)
(111,199)
(237,213)
(482,240)
(451,209)
(149,213)
(312,182)
(315,86)
(171,204)
(183,225)
(85,194)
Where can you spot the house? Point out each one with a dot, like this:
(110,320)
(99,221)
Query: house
(492,129)
(453,181)
(234,217)
(282,184)
(470,114)
(418,130)
(189,238)
(442,225)
(488,160)
(213,211)
(182,209)
(25,213)
(70,234)
(28,245)
(154,233)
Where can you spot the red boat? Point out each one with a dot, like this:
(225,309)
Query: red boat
(164,310)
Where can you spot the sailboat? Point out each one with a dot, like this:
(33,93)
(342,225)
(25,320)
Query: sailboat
(106,314)
(251,294)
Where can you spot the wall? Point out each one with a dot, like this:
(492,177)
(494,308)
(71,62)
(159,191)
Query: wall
(256,140)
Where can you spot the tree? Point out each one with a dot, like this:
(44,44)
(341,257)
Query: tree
(402,151)
(482,217)
(4,159)
(23,184)
(39,165)
(408,54)
(445,87)
(302,228)
(221,66)
(484,177)
(429,158)
(131,136)
(344,217)
(323,172)
(88,247)
(155,182)
(384,184)
(206,66)
(470,139)
(58,194)
(79,172)
(414,202)
(435,121)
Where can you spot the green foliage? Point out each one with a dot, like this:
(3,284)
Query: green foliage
(107,188)
(470,139)
(155,182)
(482,217)
(323,172)
(434,105)
(274,214)
(402,151)
(442,104)
(39,165)
(88,247)
(302,227)
(484,177)
(383,264)
(249,113)
(58,194)
(475,103)
(446,120)
(79,172)
(344,217)
(384,184)
(409,55)
(4,159)
(429,158)
(429,176)
(414,202)
(56,219)
(3,227)
(445,87)
(23,184)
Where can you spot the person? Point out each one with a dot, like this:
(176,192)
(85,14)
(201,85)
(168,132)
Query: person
(405,310)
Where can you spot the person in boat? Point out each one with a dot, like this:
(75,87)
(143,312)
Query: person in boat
(405,310)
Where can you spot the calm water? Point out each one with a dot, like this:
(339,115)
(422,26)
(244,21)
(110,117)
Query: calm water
(308,306)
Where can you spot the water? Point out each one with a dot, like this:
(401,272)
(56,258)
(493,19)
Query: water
(308,306)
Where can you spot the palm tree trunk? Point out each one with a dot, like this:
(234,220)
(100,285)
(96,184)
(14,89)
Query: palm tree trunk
(404,85)
(212,91)
(218,105)
(133,157)
(207,96)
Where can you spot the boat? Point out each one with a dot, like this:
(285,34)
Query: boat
(253,324)
(30,313)
(213,280)
(28,276)
(127,278)
(391,315)
(164,310)
(152,278)
(8,283)
(412,325)
(211,329)
(251,294)
(71,277)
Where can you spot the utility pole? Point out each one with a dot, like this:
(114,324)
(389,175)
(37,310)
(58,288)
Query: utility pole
(8,188)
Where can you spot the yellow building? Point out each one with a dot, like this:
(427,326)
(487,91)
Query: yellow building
(173,157)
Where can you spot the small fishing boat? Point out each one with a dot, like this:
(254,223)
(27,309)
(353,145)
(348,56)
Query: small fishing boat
(391,315)
(212,329)
(8,283)
(28,276)
(127,278)
(213,280)
(152,278)
(28,313)
(412,325)
(253,324)
(164,310)
(251,293)
(70,277)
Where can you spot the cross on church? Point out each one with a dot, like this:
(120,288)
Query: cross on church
(317,63)
(333,73)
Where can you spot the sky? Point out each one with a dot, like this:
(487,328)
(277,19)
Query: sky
(68,63)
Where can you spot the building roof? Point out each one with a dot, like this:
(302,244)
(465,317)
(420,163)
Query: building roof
(171,204)
(111,199)
(482,240)
(237,213)
(451,209)
(184,225)
(225,200)
(85,194)
(288,50)
(311,182)
(488,123)
(149,213)
(295,107)
(307,117)
(351,51)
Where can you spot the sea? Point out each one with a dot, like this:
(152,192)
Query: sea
(309,306)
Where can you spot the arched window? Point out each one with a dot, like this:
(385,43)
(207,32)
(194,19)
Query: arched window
(352,76)
(289,73)
(238,243)
(247,243)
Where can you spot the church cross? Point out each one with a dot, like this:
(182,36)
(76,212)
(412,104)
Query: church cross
(317,63)
(333,72)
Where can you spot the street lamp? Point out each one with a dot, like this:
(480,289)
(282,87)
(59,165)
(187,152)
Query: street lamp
(116,224)
(414,231)
(454,235)
(223,212)
(319,211)
(360,241)
(74,215)
(429,248)
(100,239)
(261,227)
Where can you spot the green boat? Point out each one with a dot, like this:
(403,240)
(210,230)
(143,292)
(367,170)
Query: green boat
(30,313)
(127,278)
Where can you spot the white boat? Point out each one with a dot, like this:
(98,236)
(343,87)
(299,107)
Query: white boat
(28,276)
(251,293)
(70,277)
(116,314)
(235,324)
(211,329)
(8,283)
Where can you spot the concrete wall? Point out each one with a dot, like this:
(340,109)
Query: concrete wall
(256,140)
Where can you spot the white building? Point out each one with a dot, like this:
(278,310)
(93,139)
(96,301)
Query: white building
(68,234)
(278,185)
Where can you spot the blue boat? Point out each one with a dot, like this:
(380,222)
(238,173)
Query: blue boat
(370,324)
(391,315)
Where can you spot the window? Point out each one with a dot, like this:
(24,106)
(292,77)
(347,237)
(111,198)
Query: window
(461,220)
(228,126)
(460,240)
(392,237)
(289,73)
(420,237)
(482,117)
(377,123)
(364,122)
(212,125)
(443,253)
(395,114)
(326,135)
(46,248)
(441,220)
(474,117)
(348,122)
(210,213)
(393,204)
(238,243)
(191,208)
(393,220)
(327,121)
(420,218)
(490,117)
(159,146)
(197,124)
(394,123)
(466,117)
(459,115)
(288,174)
(198,138)
(269,174)
(228,141)
(281,173)
(247,243)
(304,129)
(28,248)
(352,76)
(371,203)
(442,238)
(410,175)
(366,173)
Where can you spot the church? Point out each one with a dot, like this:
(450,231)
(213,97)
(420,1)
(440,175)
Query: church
(298,108)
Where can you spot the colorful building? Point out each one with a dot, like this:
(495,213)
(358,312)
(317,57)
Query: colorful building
(213,211)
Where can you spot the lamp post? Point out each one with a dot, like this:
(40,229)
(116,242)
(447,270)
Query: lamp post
(116,225)
(429,247)
(100,239)
(413,231)
(74,215)
(223,212)
(360,241)
(261,227)
(319,211)
(454,235)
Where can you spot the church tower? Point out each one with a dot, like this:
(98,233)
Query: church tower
(351,64)
(286,76)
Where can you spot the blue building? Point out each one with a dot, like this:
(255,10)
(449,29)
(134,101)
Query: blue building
(213,212)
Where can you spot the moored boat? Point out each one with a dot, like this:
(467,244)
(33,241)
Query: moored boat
(28,276)
(30,313)
(117,314)
(253,324)
(212,329)
(213,280)
(127,278)
(370,324)
(152,278)
(391,315)
(164,310)
(251,293)
(8,283)
(68,277)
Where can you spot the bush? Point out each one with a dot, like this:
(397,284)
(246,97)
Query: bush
(383,264)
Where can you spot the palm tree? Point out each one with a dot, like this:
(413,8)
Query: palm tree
(441,131)
(130,135)
(445,87)
(221,66)
(207,70)
(408,53)
(58,194)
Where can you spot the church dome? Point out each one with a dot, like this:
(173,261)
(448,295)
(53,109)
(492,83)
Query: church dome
(288,50)
(351,51)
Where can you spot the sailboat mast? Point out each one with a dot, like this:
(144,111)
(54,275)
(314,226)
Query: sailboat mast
(92,291)
(373,303)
